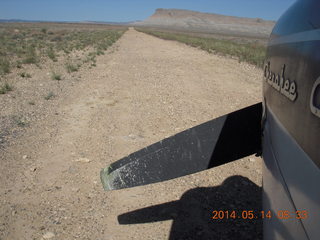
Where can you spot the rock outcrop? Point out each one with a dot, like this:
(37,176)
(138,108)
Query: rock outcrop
(207,22)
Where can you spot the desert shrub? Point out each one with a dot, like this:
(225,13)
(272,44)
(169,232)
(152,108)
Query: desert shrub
(25,75)
(4,66)
(51,54)
(20,121)
(31,56)
(6,87)
(72,67)
(49,96)
(56,76)
(29,45)
(19,64)
(248,52)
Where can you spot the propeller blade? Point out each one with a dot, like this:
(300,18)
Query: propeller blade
(213,143)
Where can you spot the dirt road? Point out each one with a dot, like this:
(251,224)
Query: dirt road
(142,91)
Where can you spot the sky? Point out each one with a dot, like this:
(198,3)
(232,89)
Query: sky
(132,10)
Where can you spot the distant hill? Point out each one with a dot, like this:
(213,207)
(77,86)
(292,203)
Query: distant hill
(109,23)
(86,22)
(16,20)
(208,22)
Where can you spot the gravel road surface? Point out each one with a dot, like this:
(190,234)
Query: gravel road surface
(142,91)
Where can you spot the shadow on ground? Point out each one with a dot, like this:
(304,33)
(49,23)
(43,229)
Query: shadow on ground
(192,214)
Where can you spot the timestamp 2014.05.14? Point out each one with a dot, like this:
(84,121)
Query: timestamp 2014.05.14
(251,214)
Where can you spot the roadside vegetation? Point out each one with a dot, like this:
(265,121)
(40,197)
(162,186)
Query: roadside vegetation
(39,61)
(71,67)
(253,53)
(56,76)
(21,45)
(49,96)
(6,87)
(25,75)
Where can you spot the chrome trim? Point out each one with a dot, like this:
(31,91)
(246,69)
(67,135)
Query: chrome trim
(312,35)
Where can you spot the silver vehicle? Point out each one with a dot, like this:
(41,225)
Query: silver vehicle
(291,125)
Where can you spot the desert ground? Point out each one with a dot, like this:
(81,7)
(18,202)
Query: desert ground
(142,90)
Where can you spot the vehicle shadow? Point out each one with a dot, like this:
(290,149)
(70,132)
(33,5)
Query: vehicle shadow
(192,215)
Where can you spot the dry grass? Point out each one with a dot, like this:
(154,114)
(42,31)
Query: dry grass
(249,52)
(22,44)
